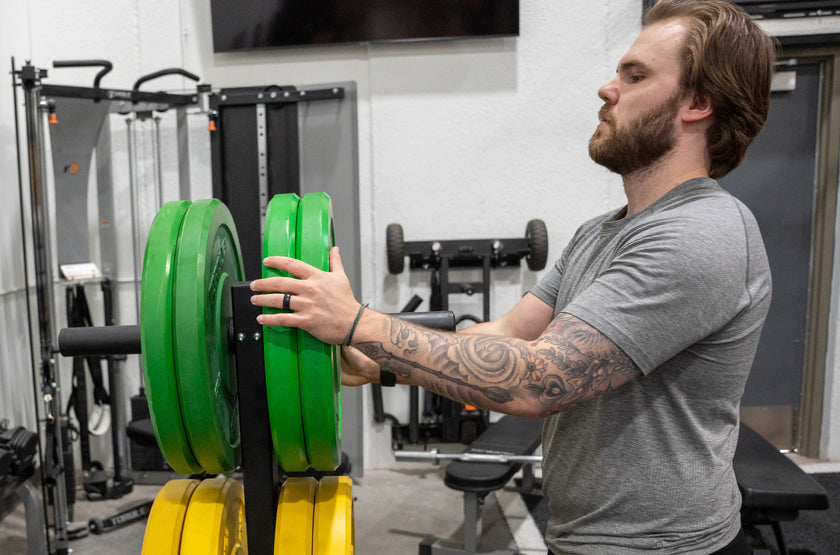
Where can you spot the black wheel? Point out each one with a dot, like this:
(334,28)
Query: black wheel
(96,526)
(395,246)
(537,236)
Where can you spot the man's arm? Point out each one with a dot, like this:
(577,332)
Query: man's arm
(526,320)
(567,363)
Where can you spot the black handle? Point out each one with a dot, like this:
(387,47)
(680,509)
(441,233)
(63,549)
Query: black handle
(106,67)
(161,73)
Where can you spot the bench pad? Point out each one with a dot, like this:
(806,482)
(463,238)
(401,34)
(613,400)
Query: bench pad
(511,435)
(769,481)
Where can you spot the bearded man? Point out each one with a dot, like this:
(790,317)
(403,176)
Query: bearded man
(636,346)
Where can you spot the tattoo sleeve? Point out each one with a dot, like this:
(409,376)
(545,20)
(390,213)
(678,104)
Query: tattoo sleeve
(570,362)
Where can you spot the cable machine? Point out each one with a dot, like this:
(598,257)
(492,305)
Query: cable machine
(82,104)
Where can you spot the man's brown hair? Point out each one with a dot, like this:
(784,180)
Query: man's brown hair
(729,59)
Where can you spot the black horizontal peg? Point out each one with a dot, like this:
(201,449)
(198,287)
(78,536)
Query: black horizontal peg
(441,319)
(125,340)
(99,341)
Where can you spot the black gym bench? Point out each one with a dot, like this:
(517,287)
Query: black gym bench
(510,436)
(773,488)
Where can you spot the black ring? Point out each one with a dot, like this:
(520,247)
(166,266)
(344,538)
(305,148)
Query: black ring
(286,299)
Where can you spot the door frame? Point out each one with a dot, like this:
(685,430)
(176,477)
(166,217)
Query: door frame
(825,207)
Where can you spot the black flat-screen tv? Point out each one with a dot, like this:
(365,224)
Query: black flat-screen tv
(254,24)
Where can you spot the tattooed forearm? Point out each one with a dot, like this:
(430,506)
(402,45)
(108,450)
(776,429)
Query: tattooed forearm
(569,363)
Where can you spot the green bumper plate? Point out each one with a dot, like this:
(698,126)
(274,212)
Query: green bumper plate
(319,364)
(280,344)
(157,338)
(208,261)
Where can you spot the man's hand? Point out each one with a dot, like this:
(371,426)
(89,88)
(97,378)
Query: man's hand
(321,303)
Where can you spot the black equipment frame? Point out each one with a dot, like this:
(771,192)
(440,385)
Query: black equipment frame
(439,256)
(773,9)
(36,95)
(255,154)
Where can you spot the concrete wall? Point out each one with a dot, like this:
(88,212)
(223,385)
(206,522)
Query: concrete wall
(462,139)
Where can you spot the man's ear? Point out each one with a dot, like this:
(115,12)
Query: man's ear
(699,109)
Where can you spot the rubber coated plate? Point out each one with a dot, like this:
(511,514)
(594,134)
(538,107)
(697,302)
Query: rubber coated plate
(215,521)
(295,511)
(157,338)
(207,263)
(333,528)
(319,364)
(166,519)
(280,344)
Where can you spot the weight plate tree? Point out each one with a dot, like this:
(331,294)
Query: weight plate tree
(166,519)
(207,263)
(157,338)
(281,344)
(187,338)
(320,390)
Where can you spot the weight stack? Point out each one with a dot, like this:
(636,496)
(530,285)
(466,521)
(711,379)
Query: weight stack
(145,454)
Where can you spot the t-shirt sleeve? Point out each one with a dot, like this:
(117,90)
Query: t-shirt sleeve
(670,284)
(546,289)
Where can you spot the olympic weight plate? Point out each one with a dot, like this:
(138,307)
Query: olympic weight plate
(166,519)
(215,520)
(333,529)
(157,338)
(280,345)
(319,364)
(295,510)
(208,262)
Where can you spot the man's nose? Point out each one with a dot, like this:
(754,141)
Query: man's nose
(609,91)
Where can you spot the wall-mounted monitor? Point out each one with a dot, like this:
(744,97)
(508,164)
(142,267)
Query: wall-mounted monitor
(255,24)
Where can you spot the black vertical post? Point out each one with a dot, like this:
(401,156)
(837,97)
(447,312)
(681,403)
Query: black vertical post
(117,407)
(247,151)
(444,284)
(485,286)
(260,473)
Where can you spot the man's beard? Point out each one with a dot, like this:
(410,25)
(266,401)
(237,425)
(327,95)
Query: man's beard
(638,145)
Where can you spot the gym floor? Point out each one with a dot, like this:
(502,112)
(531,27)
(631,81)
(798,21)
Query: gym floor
(394,511)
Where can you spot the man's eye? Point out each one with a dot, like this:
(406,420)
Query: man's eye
(635,78)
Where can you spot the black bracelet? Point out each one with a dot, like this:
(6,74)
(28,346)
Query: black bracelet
(387,378)
(353,327)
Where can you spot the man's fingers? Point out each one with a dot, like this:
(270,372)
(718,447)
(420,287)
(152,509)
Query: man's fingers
(335,261)
(294,266)
(277,284)
(281,319)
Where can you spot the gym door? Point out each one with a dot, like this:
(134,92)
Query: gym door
(777,181)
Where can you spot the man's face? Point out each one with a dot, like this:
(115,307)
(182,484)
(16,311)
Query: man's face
(642,103)
(638,144)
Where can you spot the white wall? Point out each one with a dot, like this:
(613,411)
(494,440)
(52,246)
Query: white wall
(462,139)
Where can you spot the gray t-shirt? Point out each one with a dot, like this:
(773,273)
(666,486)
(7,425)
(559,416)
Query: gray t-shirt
(682,288)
